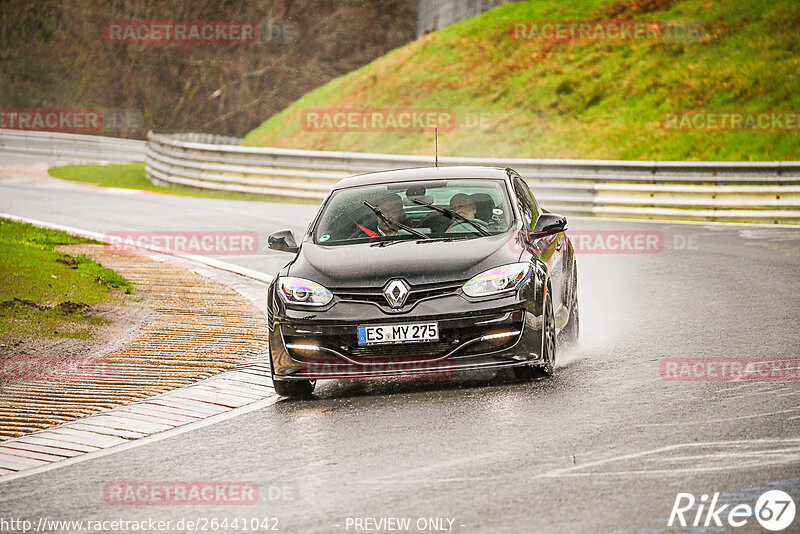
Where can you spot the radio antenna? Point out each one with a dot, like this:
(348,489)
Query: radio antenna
(436,141)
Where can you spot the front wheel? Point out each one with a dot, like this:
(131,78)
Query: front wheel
(544,370)
(294,389)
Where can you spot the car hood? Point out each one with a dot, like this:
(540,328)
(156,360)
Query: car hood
(364,265)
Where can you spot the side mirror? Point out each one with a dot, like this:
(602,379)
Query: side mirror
(283,241)
(548,224)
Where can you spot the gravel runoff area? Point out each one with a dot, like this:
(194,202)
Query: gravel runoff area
(197,328)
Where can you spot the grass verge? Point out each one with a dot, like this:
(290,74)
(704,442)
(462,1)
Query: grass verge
(579,98)
(46,293)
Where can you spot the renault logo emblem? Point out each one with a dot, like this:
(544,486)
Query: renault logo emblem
(396,293)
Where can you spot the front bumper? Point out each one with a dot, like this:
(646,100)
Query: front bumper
(503,332)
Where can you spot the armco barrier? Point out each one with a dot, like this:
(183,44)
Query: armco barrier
(719,191)
(716,191)
(71,146)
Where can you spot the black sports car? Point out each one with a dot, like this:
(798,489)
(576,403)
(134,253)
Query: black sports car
(420,273)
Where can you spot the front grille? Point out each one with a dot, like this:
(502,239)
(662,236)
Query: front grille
(416,293)
(450,337)
(348,346)
(406,351)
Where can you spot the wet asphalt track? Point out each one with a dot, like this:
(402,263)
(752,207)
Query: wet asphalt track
(603,446)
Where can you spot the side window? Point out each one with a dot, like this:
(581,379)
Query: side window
(536,209)
(526,202)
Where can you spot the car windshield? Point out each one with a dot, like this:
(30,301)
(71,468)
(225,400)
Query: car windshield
(435,209)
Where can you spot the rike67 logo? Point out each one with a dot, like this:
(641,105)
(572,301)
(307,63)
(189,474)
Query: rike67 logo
(774,510)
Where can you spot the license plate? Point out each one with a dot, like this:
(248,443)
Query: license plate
(398,333)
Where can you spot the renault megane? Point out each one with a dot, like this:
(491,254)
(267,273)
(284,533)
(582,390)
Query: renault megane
(422,272)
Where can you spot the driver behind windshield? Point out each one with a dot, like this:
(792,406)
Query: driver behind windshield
(463,204)
(392,207)
(363,214)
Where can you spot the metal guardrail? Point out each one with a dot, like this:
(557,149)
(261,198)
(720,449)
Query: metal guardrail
(717,191)
(720,191)
(71,146)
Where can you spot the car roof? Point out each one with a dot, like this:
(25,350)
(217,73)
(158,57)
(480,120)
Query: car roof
(461,172)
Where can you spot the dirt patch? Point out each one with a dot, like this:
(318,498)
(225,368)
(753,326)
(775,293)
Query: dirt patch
(23,302)
(120,325)
(65,307)
(69,262)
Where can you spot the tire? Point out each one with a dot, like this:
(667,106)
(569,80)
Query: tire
(528,372)
(572,330)
(294,389)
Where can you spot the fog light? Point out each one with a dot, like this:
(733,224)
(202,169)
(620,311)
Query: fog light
(302,347)
(501,335)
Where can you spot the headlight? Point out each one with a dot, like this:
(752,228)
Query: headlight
(497,280)
(304,292)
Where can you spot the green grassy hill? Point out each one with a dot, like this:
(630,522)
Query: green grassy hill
(586,99)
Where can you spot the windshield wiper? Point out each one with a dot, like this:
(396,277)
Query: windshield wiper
(447,239)
(453,215)
(392,222)
(422,241)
